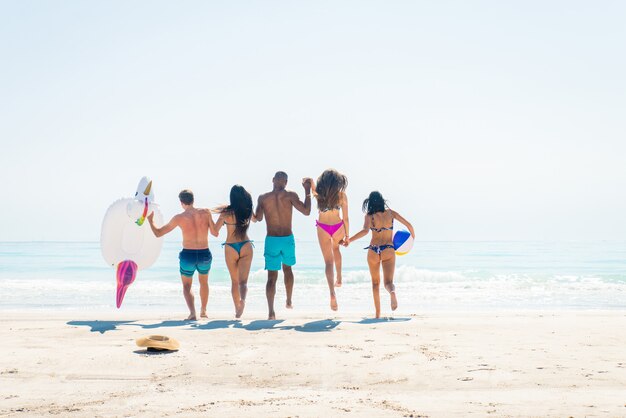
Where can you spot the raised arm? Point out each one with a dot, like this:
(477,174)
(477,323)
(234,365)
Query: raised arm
(367,223)
(403,221)
(167,228)
(303,207)
(258,215)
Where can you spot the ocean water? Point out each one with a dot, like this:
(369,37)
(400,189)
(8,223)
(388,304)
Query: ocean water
(448,276)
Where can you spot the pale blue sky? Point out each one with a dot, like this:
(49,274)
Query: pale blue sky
(476,120)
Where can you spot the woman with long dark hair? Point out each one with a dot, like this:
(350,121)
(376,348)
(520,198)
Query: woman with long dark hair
(238,247)
(380,253)
(332,225)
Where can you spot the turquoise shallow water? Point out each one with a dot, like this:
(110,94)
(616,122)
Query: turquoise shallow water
(434,276)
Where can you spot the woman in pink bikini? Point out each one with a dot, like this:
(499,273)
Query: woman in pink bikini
(332,225)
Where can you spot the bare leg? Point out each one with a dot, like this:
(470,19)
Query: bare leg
(270,292)
(326,245)
(189,297)
(373,261)
(337,258)
(288,273)
(204,293)
(232,258)
(245,260)
(389,266)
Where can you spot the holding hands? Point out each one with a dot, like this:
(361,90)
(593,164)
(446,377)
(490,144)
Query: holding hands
(307,183)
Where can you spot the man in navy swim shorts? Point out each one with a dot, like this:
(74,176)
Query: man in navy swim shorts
(195,224)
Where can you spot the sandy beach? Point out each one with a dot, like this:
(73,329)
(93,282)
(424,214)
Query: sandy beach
(444,364)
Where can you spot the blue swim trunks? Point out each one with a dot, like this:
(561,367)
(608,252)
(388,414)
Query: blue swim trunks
(192,260)
(279,250)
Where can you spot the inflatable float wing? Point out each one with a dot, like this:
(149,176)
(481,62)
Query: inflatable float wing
(127,242)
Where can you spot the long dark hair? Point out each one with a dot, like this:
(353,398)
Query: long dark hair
(241,207)
(328,188)
(374,203)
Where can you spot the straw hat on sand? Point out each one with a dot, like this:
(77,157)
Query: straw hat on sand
(158,342)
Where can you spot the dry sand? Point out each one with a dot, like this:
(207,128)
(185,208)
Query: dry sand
(446,364)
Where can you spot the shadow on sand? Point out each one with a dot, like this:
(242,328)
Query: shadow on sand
(366,321)
(216,324)
(164,324)
(260,324)
(154,353)
(323,325)
(100,326)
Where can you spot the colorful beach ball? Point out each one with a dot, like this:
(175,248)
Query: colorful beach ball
(402,242)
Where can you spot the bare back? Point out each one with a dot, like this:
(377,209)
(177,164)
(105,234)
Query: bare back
(277,207)
(381,220)
(230,220)
(195,225)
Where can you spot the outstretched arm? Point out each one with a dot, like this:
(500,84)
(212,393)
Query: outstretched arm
(218,209)
(216,226)
(258,215)
(363,232)
(167,228)
(403,221)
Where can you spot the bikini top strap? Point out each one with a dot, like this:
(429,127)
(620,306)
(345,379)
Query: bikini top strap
(381,229)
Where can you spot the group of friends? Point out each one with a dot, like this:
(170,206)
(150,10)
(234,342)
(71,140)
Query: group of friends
(276,207)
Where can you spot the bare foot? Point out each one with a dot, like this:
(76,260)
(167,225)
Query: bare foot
(191,317)
(394,301)
(338,282)
(239,311)
(289,305)
(271,316)
(203,315)
(377,315)
(333,303)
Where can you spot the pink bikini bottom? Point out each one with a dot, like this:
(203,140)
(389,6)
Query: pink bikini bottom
(330,229)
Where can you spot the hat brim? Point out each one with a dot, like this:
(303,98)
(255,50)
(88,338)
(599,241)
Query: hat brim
(159,342)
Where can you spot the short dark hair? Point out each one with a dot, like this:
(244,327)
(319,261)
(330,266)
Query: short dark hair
(186,197)
(280,175)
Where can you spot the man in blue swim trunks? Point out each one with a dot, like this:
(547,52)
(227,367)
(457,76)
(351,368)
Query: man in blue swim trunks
(280,246)
(195,224)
